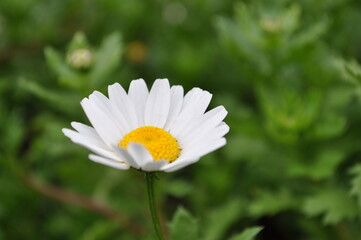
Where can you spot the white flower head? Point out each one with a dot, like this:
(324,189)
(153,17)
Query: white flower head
(156,130)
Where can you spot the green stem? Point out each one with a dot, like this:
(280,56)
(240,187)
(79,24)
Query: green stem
(153,210)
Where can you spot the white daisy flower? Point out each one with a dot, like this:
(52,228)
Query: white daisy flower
(156,130)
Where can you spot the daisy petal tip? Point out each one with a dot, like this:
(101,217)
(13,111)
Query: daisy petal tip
(84,101)
(223,142)
(108,162)
(165,80)
(96,95)
(223,108)
(138,81)
(67,132)
(75,124)
(226,130)
(112,86)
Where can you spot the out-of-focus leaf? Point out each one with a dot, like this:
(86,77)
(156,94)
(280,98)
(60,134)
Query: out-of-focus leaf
(356,182)
(99,230)
(178,188)
(247,234)
(13,133)
(269,203)
(107,58)
(243,36)
(291,17)
(66,75)
(353,70)
(183,226)
(60,100)
(228,213)
(79,41)
(313,33)
(329,125)
(288,113)
(333,203)
(321,167)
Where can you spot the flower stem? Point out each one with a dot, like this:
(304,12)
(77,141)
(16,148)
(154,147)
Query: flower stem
(153,210)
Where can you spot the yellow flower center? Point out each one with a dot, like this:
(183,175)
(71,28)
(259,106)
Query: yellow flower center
(159,143)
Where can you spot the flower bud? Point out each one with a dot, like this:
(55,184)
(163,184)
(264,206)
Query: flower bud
(81,58)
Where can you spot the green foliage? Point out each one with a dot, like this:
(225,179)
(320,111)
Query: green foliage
(67,76)
(269,203)
(183,226)
(222,218)
(287,72)
(106,59)
(247,234)
(356,182)
(334,204)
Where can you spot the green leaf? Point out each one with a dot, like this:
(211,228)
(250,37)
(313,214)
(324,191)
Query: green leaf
(321,167)
(99,230)
(313,33)
(79,41)
(247,234)
(107,58)
(353,71)
(13,133)
(52,97)
(271,202)
(333,203)
(183,226)
(229,213)
(66,75)
(356,182)
(178,188)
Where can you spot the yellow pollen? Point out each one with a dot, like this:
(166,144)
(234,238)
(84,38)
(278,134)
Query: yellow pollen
(159,143)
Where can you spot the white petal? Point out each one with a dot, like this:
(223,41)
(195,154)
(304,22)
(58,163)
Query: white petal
(198,99)
(102,122)
(158,102)
(154,166)
(176,165)
(103,103)
(203,148)
(124,154)
(138,93)
(108,162)
(203,124)
(194,105)
(199,139)
(123,107)
(85,130)
(88,132)
(149,165)
(140,154)
(176,100)
(89,144)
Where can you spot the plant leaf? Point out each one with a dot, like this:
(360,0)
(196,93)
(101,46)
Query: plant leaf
(271,202)
(356,182)
(247,234)
(183,226)
(66,75)
(107,59)
(229,212)
(333,203)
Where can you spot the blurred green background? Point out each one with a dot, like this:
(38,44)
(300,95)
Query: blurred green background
(286,71)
